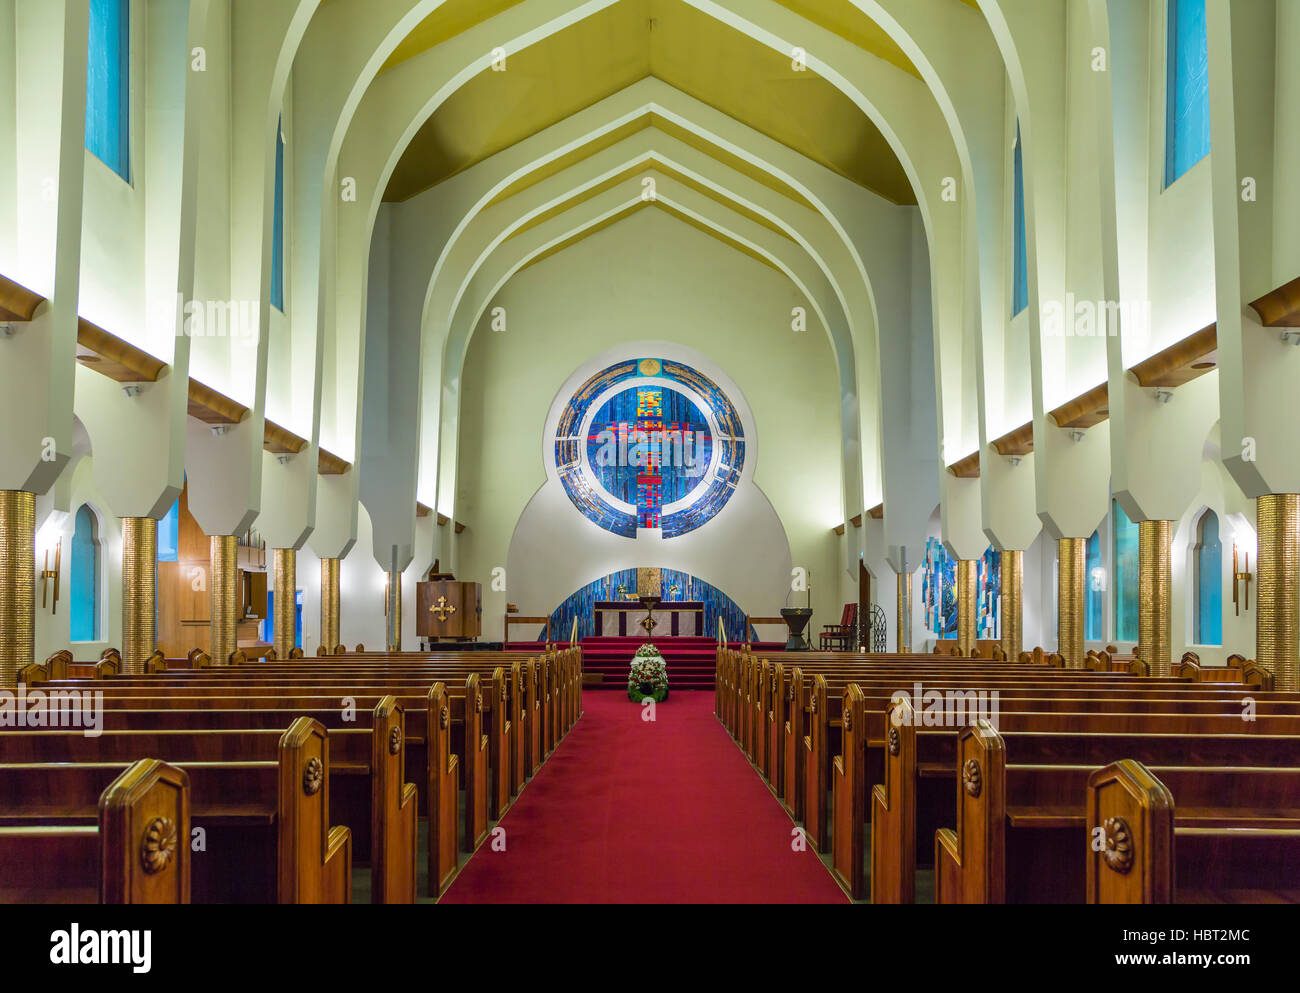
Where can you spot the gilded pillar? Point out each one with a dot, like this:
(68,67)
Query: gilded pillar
(17,584)
(394,612)
(1154,591)
(284,638)
(139,591)
(965,606)
(1011,572)
(223,597)
(1071,559)
(904,611)
(329,604)
(1278,600)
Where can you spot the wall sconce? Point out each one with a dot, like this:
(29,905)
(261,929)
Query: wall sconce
(1098,580)
(388,585)
(1239,576)
(48,574)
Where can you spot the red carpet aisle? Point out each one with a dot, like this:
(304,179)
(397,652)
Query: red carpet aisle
(627,811)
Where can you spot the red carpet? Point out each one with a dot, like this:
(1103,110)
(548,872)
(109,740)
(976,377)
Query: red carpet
(691,661)
(628,811)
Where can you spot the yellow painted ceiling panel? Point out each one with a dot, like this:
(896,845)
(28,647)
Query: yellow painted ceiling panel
(450,19)
(843,18)
(628,41)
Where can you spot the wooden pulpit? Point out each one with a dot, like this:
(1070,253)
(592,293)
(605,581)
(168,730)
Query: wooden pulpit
(447,610)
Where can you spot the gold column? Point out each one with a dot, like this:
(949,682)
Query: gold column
(139,591)
(904,611)
(286,597)
(17,584)
(394,611)
(965,606)
(329,604)
(1071,559)
(223,596)
(1011,573)
(1154,584)
(1277,603)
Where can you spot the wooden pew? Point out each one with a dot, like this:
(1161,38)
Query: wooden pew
(266,792)
(914,755)
(125,843)
(1023,829)
(440,773)
(1233,838)
(494,757)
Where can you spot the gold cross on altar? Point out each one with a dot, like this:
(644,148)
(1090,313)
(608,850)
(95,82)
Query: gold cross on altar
(442,608)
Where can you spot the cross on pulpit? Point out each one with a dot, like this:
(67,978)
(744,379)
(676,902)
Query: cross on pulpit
(443,609)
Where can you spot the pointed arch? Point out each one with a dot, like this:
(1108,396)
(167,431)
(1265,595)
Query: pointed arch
(84,574)
(1207,580)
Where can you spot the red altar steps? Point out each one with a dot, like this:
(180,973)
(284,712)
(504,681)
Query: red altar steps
(691,661)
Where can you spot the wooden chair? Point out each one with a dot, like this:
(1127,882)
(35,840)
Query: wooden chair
(839,637)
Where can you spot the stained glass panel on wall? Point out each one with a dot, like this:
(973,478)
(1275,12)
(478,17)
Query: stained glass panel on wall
(649,444)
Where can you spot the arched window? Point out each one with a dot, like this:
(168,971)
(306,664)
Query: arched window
(1020,255)
(1187,88)
(1125,570)
(1094,586)
(1208,564)
(108,85)
(83,578)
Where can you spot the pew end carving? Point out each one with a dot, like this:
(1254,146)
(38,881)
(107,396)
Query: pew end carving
(893,822)
(1130,836)
(970,861)
(144,829)
(315,860)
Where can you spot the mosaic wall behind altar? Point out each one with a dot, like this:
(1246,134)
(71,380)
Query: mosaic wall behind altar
(674,586)
(939,593)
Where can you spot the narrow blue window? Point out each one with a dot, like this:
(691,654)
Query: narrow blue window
(268,624)
(1020,264)
(169,534)
(1209,581)
(83,618)
(1094,589)
(1187,88)
(108,85)
(277,223)
(1125,570)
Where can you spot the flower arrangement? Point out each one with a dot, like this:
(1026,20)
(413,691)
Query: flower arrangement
(648,676)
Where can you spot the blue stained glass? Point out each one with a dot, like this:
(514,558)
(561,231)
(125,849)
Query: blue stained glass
(580,604)
(1093,589)
(108,85)
(1126,575)
(83,618)
(277,223)
(1020,262)
(661,412)
(169,533)
(1209,582)
(1187,88)
(268,623)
